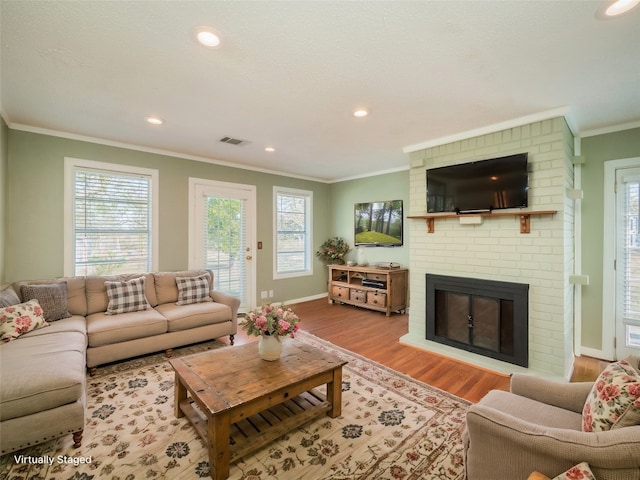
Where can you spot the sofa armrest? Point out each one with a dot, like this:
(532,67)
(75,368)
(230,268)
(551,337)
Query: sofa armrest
(231,301)
(570,396)
(494,436)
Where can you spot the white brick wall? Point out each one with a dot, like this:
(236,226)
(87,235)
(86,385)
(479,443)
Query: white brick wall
(496,250)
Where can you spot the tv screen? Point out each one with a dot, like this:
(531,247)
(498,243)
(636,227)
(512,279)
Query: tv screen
(379,223)
(480,186)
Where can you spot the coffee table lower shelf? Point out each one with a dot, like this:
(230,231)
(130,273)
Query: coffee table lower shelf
(256,431)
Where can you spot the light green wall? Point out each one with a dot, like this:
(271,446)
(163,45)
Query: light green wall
(4,158)
(597,150)
(34,221)
(344,196)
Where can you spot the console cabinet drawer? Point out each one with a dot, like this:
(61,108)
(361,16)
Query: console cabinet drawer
(358,295)
(339,292)
(377,276)
(381,289)
(377,299)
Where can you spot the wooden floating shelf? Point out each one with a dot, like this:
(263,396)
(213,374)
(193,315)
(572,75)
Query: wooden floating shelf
(525,217)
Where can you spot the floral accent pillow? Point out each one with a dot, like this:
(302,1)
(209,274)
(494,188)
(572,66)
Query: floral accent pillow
(20,319)
(193,289)
(578,472)
(614,400)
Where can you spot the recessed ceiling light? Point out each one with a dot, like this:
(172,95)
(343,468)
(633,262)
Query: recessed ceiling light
(269,149)
(360,112)
(615,8)
(207,36)
(154,120)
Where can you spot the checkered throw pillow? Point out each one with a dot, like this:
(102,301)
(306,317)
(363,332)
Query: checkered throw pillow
(193,289)
(126,296)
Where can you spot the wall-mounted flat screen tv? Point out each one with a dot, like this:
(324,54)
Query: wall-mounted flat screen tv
(379,224)
(480,186)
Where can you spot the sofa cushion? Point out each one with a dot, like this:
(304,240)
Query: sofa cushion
(103,329)
(96,291)
(166,287)
(193,289)
(19,319)
(8,297)
(75,323)
(184,317)
(76,295)
(614,401)
(52,298)
(41,372)
(126,296)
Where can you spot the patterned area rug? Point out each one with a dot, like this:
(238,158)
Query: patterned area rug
(391,427)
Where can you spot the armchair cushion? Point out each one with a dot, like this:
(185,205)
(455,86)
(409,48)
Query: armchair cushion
(614,400)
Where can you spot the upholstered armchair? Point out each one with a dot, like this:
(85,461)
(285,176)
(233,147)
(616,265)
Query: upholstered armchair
(537,426)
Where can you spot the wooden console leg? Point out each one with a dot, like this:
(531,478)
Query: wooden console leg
(169,352)
(231,338)
(77,439)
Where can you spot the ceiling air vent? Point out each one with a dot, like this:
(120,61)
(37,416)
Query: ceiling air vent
(233,141)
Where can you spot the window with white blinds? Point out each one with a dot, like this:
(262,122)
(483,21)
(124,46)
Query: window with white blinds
(292,243)
(629,254)
(113,219)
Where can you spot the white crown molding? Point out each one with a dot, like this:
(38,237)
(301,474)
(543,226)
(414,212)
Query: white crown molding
(157,151)
(610,129)
(111,143)
(496,127)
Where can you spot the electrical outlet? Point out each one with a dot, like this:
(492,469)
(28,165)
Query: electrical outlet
(263,294)
(270,293)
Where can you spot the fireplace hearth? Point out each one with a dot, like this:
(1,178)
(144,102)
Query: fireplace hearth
(486,317)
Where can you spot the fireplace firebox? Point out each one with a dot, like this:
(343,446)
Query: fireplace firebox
(486,317)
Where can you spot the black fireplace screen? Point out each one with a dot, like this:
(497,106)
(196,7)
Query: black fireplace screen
(486,317)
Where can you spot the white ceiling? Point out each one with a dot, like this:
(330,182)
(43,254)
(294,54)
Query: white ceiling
(289,74)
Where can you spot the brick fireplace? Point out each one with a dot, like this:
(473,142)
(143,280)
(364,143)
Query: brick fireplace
(494,249)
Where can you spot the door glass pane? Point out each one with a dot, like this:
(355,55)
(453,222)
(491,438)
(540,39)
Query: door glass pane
(224,243)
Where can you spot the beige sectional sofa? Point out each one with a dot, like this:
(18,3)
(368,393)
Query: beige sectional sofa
(43,372)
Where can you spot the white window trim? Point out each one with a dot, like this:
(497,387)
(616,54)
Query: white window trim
(609,254)
(309,222)
(70,166)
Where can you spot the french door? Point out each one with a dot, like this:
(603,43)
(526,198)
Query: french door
(222,235)
(627,262)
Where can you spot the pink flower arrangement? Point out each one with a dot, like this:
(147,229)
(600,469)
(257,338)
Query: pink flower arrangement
(271,320)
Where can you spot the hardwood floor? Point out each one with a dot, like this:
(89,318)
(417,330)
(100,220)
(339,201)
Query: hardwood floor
(375,336)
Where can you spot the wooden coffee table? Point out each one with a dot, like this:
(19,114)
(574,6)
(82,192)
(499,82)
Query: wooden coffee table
(238,402)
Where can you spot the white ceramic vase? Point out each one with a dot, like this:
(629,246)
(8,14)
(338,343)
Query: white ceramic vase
(270,347)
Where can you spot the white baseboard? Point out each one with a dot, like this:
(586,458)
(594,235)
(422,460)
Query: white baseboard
(595,353)
(306,299)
